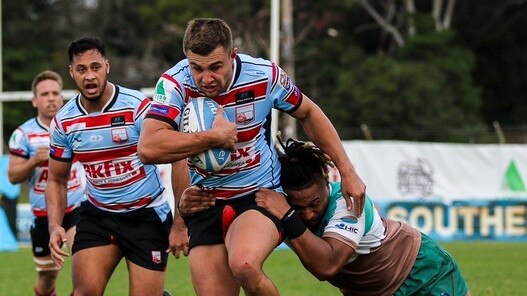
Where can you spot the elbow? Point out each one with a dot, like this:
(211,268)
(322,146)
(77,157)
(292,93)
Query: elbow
(13,179)
(145,155)
(325,274)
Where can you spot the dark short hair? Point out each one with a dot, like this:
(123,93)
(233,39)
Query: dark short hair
(203,35)
(84,44)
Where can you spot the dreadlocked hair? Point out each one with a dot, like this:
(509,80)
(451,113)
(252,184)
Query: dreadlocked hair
(303,164)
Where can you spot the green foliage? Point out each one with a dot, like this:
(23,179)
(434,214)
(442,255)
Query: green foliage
(471,74)
(427,86)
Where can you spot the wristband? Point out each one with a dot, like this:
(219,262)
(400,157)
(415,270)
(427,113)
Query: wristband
(181,213)
(293,225)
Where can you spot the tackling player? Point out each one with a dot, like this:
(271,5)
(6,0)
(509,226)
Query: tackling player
(364,256)
(29,151)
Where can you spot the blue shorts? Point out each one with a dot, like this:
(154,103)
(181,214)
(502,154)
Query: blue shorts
(140,234)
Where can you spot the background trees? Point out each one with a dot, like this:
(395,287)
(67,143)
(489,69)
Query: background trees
(438,70)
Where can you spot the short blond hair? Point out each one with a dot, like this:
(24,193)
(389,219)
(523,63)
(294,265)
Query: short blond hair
(45,75)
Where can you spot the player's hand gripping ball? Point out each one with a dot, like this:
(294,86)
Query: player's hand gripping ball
(198,116)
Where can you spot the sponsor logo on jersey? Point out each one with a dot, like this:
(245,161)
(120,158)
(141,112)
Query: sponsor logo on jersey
(96,138)
(345,226)
(160,98)
(109,169)
(42,180)
(118,120)
(245,114)
(16,137)
(119,135)
(245,97)
(161,110)
(76,127)
(255,73)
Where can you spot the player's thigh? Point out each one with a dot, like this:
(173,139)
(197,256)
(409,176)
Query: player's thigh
(145,282)
(210,271)
(252,236)
(70,235)
(93,267)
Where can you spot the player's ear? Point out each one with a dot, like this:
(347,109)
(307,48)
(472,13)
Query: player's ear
(71,71)
(234,52)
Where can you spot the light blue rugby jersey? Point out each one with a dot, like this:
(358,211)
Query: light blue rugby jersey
(106,145)
(258,86)
(24,142)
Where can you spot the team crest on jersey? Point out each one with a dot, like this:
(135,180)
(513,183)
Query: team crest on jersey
(245,114)
(156,257)
(119,135)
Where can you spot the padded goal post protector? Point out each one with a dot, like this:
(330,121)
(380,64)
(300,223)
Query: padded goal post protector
(8,242)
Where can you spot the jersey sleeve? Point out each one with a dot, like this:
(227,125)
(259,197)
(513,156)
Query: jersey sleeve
(140,112)
(345,226)
(167,101)
(286,96)
(58,144)
(18,144)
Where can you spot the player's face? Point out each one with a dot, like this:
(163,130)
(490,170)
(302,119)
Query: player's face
(48,98)
(310,203)
(90,71)
(213,72)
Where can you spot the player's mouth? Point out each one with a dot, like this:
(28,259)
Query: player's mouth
(208,88)
(91,88)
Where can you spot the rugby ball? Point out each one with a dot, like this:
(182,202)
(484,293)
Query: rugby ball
(198,116)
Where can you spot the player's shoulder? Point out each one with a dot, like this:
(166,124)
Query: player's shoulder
(178,71)
(133,94)
(29,124)
(255,65)
(69,109)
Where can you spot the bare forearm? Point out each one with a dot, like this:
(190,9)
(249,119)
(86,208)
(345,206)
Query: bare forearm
(316,255)
(180,181)
(168,146)
(21,170)
(56,202)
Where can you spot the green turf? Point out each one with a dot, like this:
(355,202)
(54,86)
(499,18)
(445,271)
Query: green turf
(489,268)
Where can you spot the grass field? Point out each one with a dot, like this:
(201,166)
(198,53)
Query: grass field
(490,269)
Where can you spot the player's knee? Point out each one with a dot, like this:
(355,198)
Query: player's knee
(247,272)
